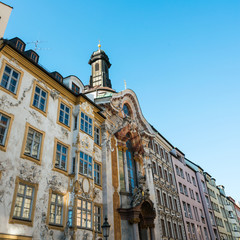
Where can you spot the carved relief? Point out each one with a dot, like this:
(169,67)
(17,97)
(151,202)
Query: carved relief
(54,94)
(29,173)
(87,108)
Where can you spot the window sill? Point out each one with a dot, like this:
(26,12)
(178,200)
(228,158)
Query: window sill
(3,148)
(55,227)
(20,221)
(86,133)
(98,186)
(35,160)
(64,125)
(60,171)
(39,110)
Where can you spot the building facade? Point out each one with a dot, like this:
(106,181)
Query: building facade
(5,11)
(51,154)
(194,215)
(218,208)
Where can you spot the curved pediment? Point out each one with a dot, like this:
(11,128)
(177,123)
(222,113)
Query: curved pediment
(135,117)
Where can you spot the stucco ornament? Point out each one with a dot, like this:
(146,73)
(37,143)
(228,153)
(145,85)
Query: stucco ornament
(141,192)
(55,183)
(68,233)
(86,107)
(6,104)
(29,173)
(54,94)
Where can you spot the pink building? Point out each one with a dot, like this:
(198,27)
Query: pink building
(190,199)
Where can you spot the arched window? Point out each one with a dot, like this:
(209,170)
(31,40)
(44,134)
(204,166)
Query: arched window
(126,110)
(131,167)
(97,67)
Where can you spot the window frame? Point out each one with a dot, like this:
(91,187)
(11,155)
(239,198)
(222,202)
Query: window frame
(47,99)
(80,120)
(22,221)
(92,213)
(75,87)
(99,135)
(93,220)
(82,173)
(70,114)
(65,172)
(11,118)
(24,156)
(52,225)
(4,64)
(100,177)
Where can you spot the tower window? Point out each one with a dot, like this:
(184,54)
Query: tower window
(97,67)
(106,69)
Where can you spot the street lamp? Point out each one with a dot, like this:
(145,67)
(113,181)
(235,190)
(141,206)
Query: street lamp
(106,228)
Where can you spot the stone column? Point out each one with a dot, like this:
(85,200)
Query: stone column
(152,234)
(136,231)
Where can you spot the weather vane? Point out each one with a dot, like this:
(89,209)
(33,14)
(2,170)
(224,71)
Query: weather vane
(99,45)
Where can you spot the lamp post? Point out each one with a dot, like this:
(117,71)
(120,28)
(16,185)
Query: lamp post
(106,228)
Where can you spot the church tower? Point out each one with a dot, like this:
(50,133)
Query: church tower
(100,69)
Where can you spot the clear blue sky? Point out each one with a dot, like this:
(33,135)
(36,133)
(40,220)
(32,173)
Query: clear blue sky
(182,58)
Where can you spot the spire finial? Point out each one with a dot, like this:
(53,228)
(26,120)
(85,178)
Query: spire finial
(125,84)
(99,45)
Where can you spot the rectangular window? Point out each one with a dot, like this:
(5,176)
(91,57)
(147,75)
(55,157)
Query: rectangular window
(33,143)
(154,167)
(177,170)
(23,203)
(185,190)
(170,229)
(180,187)
(175,230)
(10,79)
(180,231)
(170,202)
(61,157)
(163,227)
(197,196)
(97,218)
(85,166)
(84,214)
(185,209)
(97,135)
(181,173)
(75,88)
(166,175)
(189,210)
(194,181)
(165,200)
(64,114)
(40,99)
(170,178)
(56,209)
(97,174)
(4,126)
(158,196)
(86,124)
(160,171)
(175,204)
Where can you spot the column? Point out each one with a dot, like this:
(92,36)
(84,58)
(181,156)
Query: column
(135,231)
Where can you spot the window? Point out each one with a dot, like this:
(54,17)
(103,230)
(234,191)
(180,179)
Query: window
(181,173)
(196,213)
(169,229)
(33,144)
(34,57)
(166,175)
(180,231)
(10,79)
(197,196)
(194,181)
(97,135)
(165,200)
(40,99)
(126,111)
(97,67)
(5,124)
(97,218)
(170,202)
(154,167)
(177,170)
(75,88)
(160,171)
(170,178)
(75,122)
(85,166)
(158,196)
(19,45)
(56,209)
(163,227)
(70,217)
(61,156)
(175,230)
(185,209)
(185,190)
(175,204)
(204,187)
(86,124)
(97,174)
(208,202)
(189,210)
(180,187)
(23,203)
(64,114)
(131,167)
(206,234)
(84,214)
